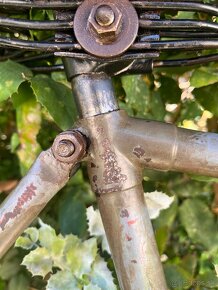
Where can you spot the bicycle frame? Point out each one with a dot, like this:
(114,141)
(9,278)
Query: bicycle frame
(120,147)
(115,147)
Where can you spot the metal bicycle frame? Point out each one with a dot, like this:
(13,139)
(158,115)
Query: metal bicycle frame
(120,147)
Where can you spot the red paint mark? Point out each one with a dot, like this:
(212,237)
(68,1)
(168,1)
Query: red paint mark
(132,222)
(24,198)
(128,238)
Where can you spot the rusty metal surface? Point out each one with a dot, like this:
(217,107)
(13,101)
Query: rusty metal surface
(69,146)
(45,178)
(163,146)
(116,180)
(106,40)
(131,239)
(122,146)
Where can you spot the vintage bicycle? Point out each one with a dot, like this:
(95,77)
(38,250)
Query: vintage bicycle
(97,40)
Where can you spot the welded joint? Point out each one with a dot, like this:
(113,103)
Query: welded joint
(69,146)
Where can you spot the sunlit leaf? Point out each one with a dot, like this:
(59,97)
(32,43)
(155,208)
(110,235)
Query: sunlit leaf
(157,201)
(28,115)
(38,262)
(207,97)
(101,275)
(203,77)
(12,75)
(56,98)
(96,227)
(63,280)
(91,287)
(81,255)
(199,223)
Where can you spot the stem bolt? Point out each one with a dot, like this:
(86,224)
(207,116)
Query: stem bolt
(104,15)
(65,148)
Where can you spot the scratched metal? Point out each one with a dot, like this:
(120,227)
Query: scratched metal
(131,239)
(46,177)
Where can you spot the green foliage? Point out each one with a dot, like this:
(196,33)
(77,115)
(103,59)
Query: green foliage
(12,75)
(73,253)
(77,261)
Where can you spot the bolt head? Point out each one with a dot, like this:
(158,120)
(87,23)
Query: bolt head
(104,15)
(65,148)
(69,146)
(105,21)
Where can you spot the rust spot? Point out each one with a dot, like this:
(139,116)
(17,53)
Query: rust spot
(112,172)
(95,178)
(147,159)
(132,222)
(93,165)
(100,130)
(124,213)
(27,195)
(138,151)
(100,191)
(134,261)
(128,238)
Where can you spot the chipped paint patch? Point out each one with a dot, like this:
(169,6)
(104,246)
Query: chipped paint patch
(124,213)
(27,195)
(138,151)
(112,172)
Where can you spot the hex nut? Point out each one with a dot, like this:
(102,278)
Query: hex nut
(105,33)
(69,147)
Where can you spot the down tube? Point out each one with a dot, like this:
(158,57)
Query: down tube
(131,239)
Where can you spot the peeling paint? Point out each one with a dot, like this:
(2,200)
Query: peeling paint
(128,238)
(27,195)
(138,151)
(124,213)
(112,172)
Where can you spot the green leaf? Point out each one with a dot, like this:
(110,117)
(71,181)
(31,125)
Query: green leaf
(137,94)
(190,110)
(209,280)
(169,90)
(101,275)
(38,262)
(199,223)
(47,235)
(91,287)
(80,256)
(96,228)
(2,285)
(72,216)
(203,77)
(24,242)
(207,97)
(29,239)
(19,282)
(12,75)
(15,142)
(177,278)
(32,233)
(56,98)
(63,280)
(9,268)
(28,116)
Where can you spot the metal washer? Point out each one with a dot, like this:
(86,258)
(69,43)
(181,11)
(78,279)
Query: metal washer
(88,40)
